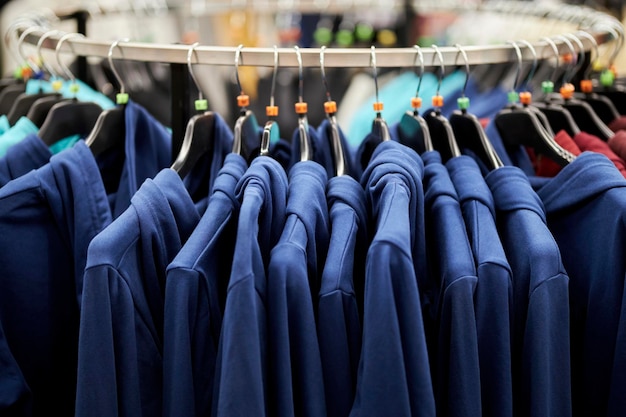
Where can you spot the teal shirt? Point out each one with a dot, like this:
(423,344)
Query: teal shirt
(84,93)
(64,144)
(16,133)
(4,124)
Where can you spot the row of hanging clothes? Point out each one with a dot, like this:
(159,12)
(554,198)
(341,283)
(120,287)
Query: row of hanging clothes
(455,263)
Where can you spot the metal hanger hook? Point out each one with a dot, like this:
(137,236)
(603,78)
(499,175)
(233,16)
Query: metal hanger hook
(518,71)
(596,50)
(466,63)
(442,67)
(419,55)
(57,50)
(237,58)
(532,71)
(571,66)
(114,45)
(300,75)
(274,72)
(192,50)
(44,62)
(555,50)
(20,47)
(13,28)
(374,69)
(581,49)
(323,70)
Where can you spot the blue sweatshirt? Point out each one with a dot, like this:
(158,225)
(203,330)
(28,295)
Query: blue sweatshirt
(319,150)
(394,377)
(493,297)
(585,209)
(541,329)
(453,345)
(23,157)
(296,383)
(241,369)
(47,219)
(341,294)
(121,321)
(195,293)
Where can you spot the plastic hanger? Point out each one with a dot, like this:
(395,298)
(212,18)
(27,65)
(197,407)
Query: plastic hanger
(330,108)
(413,129)
(246,131)
(24,101)
(559,118)
(602,105)
(379,124)
(306,150)
(199,134)
(582,112)
(38,111)
(440,129)
(13,89)
(72,117)
(467,128)
(109,130)
(271,131)
(607,86)
(520,126)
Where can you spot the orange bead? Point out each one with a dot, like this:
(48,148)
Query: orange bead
(567,58)
(525,97)
(586,86)
(271,111)
(301,108)
(567,91)
(330,107)
(437,101)
(378,106)
(416,102)
(243,100)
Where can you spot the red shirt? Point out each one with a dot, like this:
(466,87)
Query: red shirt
(545,166)
(587,142)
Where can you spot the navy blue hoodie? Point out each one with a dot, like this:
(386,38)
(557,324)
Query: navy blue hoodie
(241,369)
(394,376)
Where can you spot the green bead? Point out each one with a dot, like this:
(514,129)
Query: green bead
(201,105)
(547,87)
(513,97)
(121,98)
(364,32)
(463,103)
(74,88)
(607,78)
(17,73)
(345,37)
(323,36)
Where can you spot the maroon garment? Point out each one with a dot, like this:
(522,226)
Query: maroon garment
(587,142)
(617,143)
(545,166)
(618,124)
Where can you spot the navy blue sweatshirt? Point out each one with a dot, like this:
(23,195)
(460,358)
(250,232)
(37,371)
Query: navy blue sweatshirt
(394,377)
(241,369)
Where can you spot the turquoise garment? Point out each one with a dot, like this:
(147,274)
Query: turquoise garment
(4,124)
(85,92)
(396,96)
(64,144)
(16,133)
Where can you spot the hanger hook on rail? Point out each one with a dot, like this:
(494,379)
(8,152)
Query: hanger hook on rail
(274,72)
(596,51)
(581,50)
(200,104)
(323,70)
(57,50)
(300,74)
(533,69)
(569,73)
(442,67)
(237,60)
(122,97)
(374,72)
(419,55)
(43,61)
(20,49)
(518,70)
(461,51)
(549,42)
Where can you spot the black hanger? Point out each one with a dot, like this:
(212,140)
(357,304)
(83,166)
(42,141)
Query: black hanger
(71,117)
(520,126)
(330,108)
(468,130)
(109,130)
(246,131)
(413,130)
(9,95)
(24,102)
(439,126)
(199,134)
(306,149)
(41,107)
(607,87)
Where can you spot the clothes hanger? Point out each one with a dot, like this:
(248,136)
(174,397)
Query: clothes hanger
(301,107)
(440,129)
(413,129)
(602,105)
(379,124)
(330,108)
(72,117)
(38,111)
(246,131)
(109,130)
(13,89)
(520,126)
(558,117)
(607,86)
(271,131)
(25,101)
(582,112)
(467,128)
(199,134)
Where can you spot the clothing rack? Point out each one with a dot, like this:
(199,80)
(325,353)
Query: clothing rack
(603,27)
